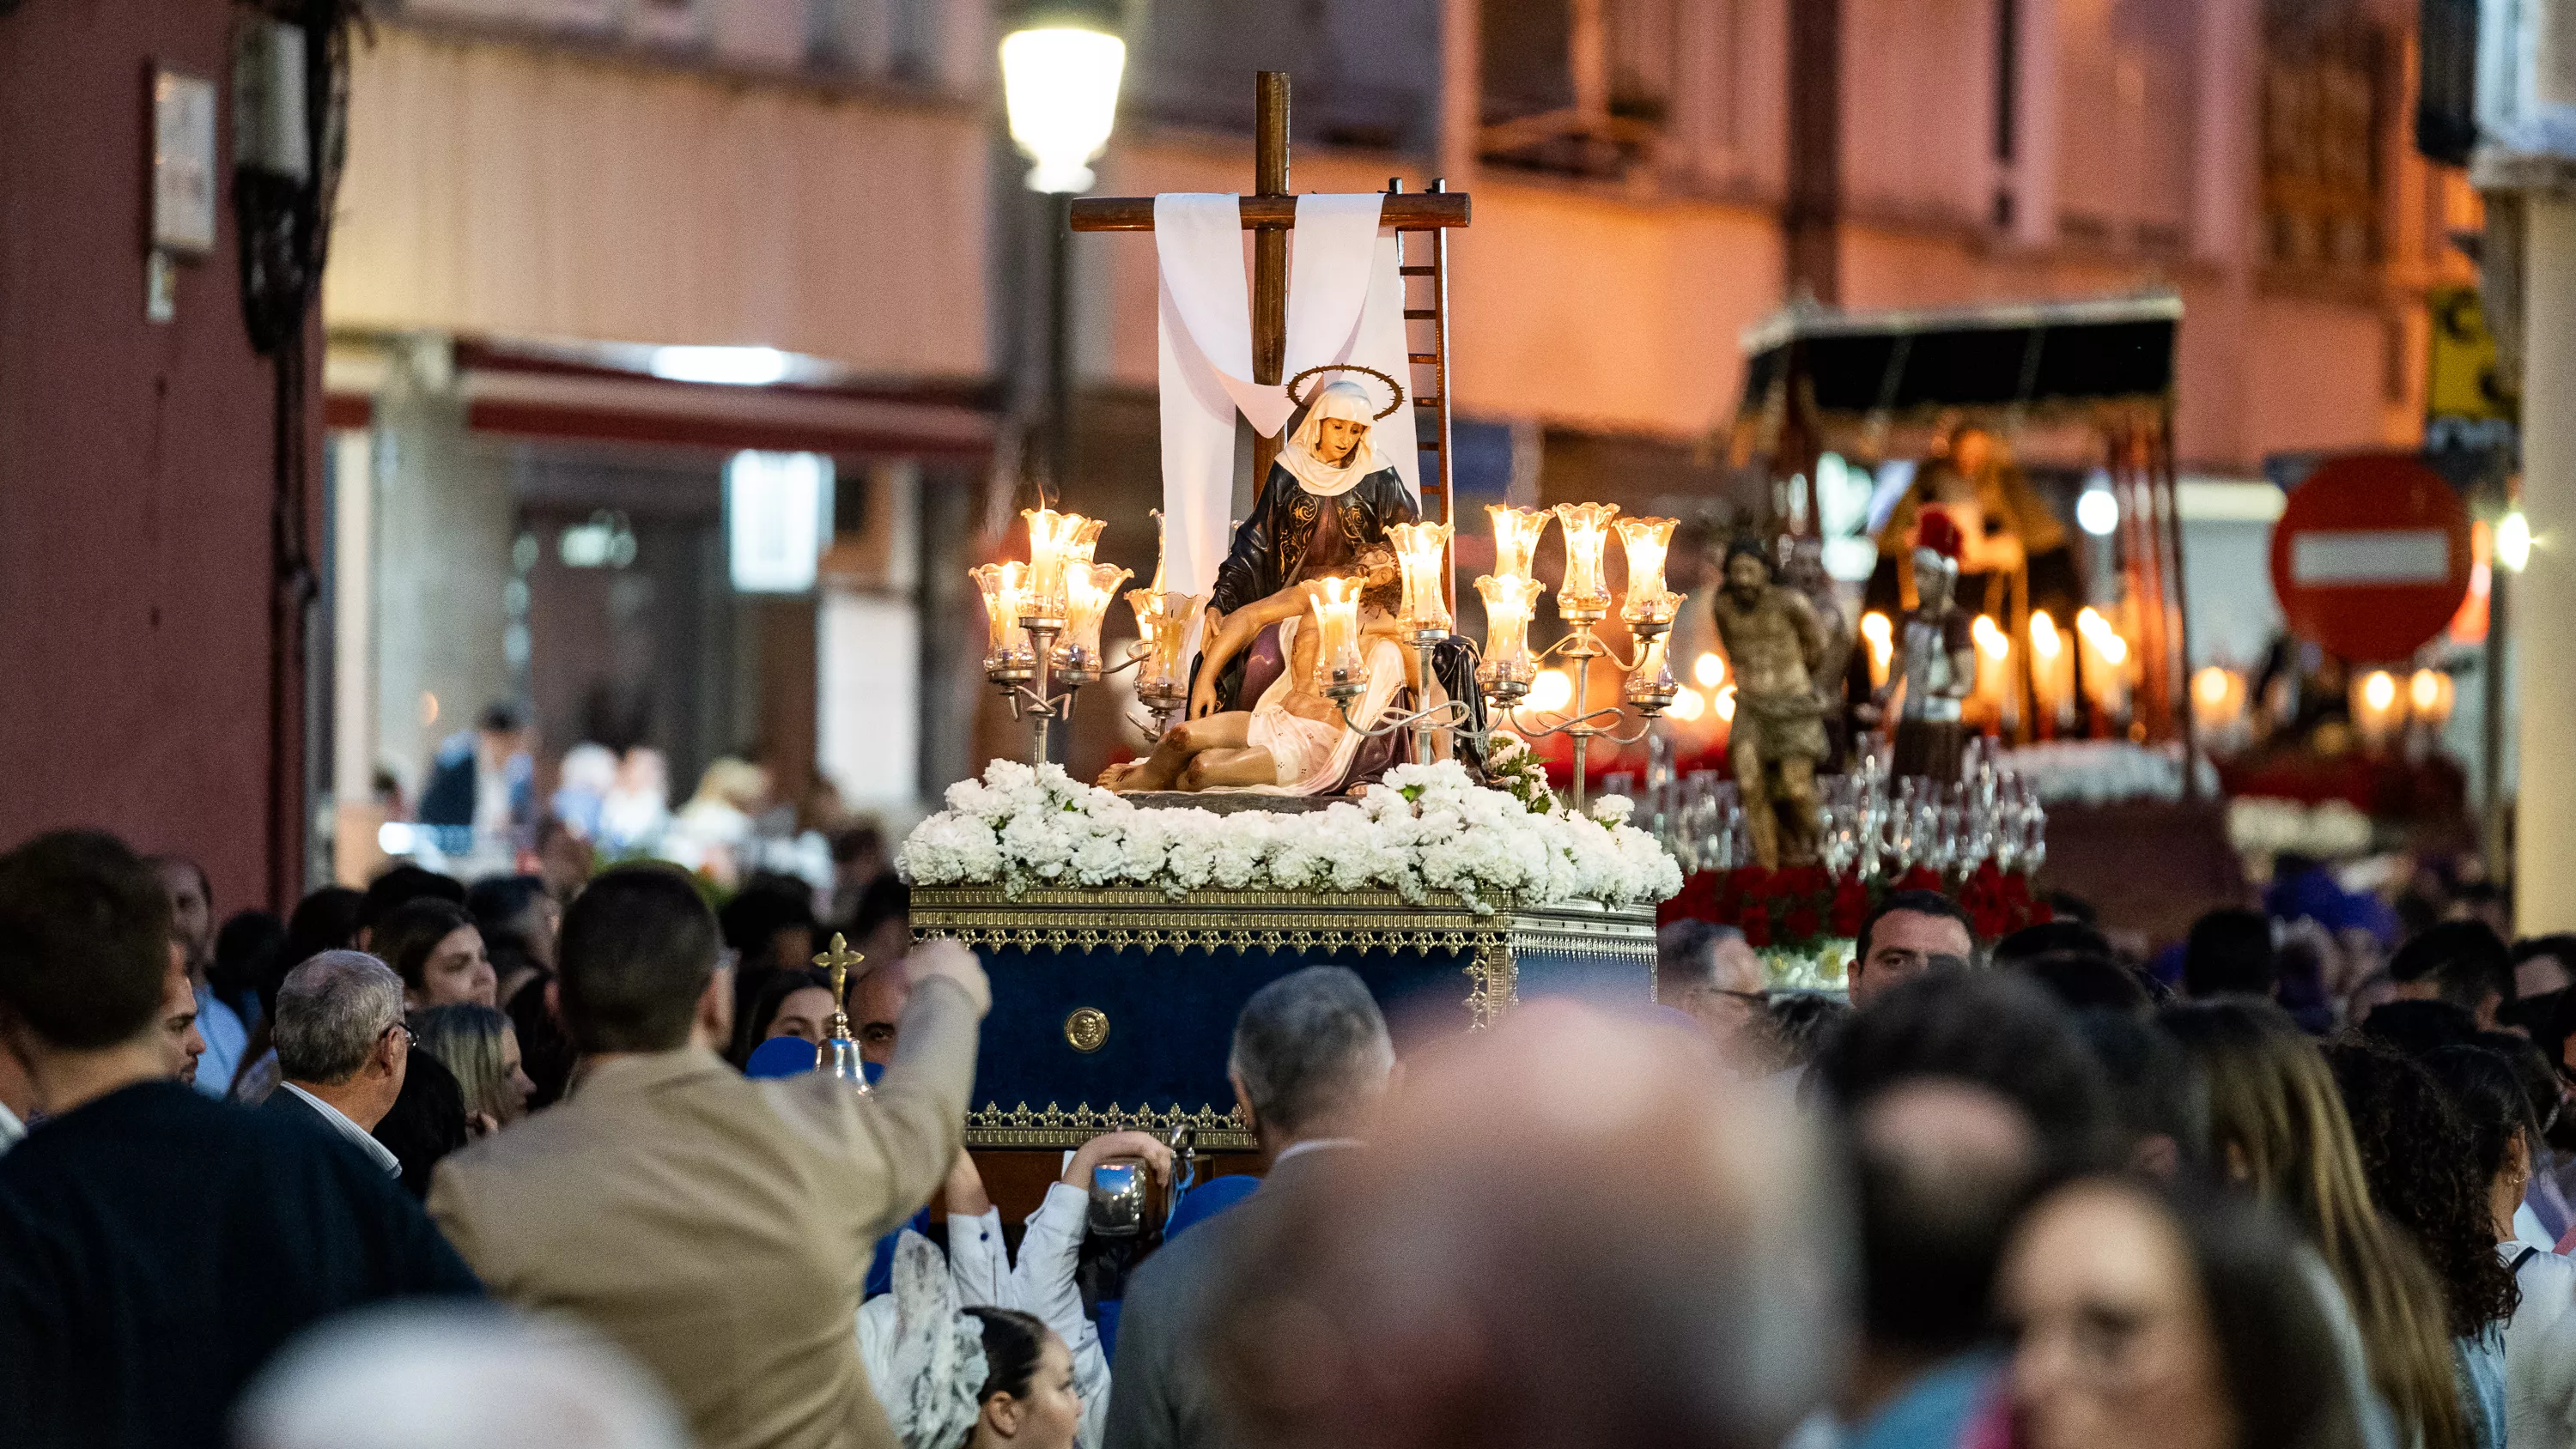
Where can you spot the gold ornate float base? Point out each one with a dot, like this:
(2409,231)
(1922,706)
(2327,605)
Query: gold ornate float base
(1126,998)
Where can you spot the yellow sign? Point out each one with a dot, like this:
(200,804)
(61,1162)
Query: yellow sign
(2464,381)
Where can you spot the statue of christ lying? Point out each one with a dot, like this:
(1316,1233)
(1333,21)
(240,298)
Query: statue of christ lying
(1294,741)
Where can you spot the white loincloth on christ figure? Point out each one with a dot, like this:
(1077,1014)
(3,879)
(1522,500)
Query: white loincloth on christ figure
(1312,755)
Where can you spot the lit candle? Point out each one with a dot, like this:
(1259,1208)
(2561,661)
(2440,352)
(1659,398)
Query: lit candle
(2105,657)
(1646,539)
(2378,711)
(2052,671)
(1164,620)
(1687,705)
(1081,537)
(1509,602)
(1994,673)
(1055,540)
(2428,696)
(1421,550)
(1337,624)
(1516,535)
(2217,699)
(1553,690)
(1005,589)
(1709,670)
(1584,596)
(1880,636)
(1088,590)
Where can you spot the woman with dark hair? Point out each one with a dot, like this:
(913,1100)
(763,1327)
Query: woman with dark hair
(957,1375)
(434,946)
(2178,1322)
(2418,1151)
(791,1003)
(2278,1131)
(2540,1336)
(1027,1397)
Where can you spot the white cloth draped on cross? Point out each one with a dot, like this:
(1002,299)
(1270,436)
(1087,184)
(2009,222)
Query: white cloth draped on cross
(1345,304)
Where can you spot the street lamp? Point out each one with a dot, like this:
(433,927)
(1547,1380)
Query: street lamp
(1061,63)
(1060,69)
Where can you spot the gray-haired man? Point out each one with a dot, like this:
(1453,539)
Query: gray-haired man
(1311,1064)
(342,1048)
(1708,972)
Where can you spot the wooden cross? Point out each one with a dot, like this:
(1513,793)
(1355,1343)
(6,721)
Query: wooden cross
(1269,212)
(838,961)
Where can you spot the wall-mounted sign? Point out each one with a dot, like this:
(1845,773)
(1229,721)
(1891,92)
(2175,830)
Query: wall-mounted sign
(184,183)
(778,517)
(2371,557)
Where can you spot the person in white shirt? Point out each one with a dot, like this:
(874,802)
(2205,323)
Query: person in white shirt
(342,1048)
(980,1274)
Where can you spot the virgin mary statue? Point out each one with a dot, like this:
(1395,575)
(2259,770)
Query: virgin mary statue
(1330,497)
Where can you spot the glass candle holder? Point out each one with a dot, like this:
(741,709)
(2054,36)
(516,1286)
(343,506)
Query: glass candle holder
(1509,602)
(1420,550)
(1651,686)
(1056,540)
(1005,588)
(1163,621)
(1088,588)
(1337,625)
(1646,540)
(1516,536)
(1584,596)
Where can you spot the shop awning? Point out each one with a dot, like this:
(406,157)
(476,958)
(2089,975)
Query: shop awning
(2041,361)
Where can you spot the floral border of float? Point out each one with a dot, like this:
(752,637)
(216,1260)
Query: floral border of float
(1424,828)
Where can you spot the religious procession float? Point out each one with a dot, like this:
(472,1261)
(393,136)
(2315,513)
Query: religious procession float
(1337,772)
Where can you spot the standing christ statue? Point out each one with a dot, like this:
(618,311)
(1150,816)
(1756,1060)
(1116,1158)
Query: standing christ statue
(1330,497)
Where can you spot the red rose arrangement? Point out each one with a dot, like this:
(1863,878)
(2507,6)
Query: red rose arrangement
(1803,906)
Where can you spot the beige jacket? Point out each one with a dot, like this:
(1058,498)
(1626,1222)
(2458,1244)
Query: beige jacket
(720,1228)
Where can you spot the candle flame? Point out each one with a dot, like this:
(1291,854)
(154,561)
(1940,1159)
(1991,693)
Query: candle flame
(2424,691)
(1551,691)
(1420,551)
(1990,637)
(1687,705)
(2379,690)
(1516,535)
(2045,641)
(1587,531)
(1709,670)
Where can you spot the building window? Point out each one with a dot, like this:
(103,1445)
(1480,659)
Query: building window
(2325,96)
(1584,88)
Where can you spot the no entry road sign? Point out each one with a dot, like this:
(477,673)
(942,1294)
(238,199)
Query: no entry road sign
(2371,557)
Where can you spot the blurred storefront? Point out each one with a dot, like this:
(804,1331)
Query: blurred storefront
(577,291)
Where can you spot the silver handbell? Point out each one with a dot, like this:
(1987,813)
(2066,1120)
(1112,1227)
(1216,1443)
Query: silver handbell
(839,1056)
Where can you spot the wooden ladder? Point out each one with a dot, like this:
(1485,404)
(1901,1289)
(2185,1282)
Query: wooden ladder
(1426,334)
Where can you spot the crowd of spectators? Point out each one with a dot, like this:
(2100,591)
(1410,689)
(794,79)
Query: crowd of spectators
(426,1165)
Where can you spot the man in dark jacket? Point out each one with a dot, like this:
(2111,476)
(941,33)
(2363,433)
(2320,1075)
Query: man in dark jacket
(1310,1064)
(156,1247)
